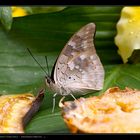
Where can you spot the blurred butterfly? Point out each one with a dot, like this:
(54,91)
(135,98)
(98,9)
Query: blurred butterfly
(78,69)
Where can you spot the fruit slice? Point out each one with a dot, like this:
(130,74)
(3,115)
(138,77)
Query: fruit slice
(17,110)
(116,111)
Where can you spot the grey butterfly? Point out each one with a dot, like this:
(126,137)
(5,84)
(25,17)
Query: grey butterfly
(78,69)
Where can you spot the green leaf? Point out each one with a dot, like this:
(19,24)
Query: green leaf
(44,9)
(6,17)
(46,34)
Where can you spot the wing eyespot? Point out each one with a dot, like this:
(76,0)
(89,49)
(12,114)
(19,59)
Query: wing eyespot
(70,78)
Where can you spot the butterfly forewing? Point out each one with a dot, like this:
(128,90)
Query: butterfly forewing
(78,67)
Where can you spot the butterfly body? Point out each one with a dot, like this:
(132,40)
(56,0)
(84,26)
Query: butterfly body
(78,69)
(56,88)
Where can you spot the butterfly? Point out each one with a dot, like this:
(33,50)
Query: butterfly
(78,69)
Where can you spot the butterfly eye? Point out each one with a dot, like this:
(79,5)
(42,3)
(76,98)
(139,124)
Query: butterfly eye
(48,79)
(58,68)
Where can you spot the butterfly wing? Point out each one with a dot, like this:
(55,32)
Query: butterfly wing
(78,66)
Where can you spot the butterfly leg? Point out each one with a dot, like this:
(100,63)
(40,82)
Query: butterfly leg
(54,102)
(60,102)
(73,96)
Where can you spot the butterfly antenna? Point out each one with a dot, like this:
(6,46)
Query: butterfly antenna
(36,61)
(46,58)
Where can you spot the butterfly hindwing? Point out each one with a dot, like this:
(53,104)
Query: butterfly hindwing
(78,67)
